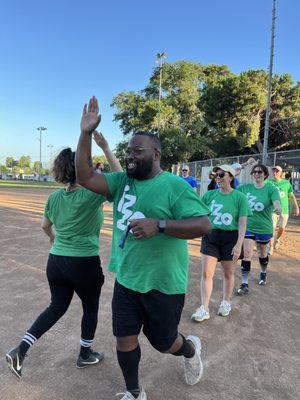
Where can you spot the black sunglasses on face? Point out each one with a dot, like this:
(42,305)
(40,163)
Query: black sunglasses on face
(184,170)
(123,237)
(220,174)
(258,171)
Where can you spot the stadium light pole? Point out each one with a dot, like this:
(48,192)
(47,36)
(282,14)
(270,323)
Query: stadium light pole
(268,107)
(159,60)
(50,146)
(41,129)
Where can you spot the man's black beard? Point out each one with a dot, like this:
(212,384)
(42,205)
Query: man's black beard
(143,169)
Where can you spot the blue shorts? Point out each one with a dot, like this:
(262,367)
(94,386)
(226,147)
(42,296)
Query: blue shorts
(263,238)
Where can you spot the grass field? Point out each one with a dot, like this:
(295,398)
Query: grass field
(31,184)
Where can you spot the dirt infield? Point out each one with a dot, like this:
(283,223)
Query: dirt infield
(252,354)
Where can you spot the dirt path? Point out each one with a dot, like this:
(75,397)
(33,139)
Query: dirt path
(253,354)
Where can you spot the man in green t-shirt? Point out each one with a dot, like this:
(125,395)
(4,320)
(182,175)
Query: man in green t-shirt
(286,194)
(154,213)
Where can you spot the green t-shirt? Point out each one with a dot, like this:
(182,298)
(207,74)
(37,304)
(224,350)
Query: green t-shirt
(77,217)
(161,261)
(260,201)
(226,209)
(285,188)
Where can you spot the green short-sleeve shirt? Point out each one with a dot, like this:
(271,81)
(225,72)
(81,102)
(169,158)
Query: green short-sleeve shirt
(77,217)
(260,201)
(226,209)
(161,261)
(285,189)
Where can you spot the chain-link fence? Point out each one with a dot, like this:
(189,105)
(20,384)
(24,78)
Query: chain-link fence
(288,160)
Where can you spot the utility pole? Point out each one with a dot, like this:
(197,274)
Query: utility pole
(268,107)
(40,129)
(159,60)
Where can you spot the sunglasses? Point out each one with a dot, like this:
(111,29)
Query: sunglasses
(257,171)
(220,174)
(124,236)
(184,170)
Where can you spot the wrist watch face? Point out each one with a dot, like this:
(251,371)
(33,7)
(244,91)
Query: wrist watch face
(161,225)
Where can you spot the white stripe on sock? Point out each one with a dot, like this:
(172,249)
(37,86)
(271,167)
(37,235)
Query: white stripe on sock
(33,337)
(86,343)
(25,340)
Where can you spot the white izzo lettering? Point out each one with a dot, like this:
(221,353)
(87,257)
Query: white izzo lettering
(220,218)
(255,206)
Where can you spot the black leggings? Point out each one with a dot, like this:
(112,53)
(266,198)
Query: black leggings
(66,275)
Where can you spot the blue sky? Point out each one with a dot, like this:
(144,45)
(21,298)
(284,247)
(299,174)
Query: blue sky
(56,54)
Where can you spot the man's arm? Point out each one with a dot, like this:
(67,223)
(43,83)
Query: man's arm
(111,158)
(86,176)
(47,228)
(277,207)
(189,228)
(295,203)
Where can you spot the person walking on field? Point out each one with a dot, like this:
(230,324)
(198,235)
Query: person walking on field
(263,200)
(154,213)
(229,211)
(286,194)
(73,264)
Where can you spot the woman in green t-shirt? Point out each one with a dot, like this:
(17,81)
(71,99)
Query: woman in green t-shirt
(263,199)
(73,265)
(229,211)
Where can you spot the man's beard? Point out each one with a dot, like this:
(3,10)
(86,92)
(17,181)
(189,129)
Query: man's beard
(142,169)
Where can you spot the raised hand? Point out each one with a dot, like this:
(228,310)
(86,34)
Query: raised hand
(100,140)
(90,116)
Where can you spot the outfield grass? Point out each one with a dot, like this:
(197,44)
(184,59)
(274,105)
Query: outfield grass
(31,184)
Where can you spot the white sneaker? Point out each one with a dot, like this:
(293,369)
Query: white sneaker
(277,244)
(200,314)
(128,395)
(224,309)
(193,367)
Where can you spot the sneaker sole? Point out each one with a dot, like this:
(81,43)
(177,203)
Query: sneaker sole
(223,314)
(240,293)
(199,319)
(11,366)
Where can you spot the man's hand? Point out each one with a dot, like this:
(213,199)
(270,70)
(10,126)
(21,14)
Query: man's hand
(236,252)
(296,211)
(90,116)
(100,140)
(277,211)
(144,227)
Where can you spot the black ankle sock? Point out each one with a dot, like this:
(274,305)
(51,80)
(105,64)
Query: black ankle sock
(84,352)
(187,349)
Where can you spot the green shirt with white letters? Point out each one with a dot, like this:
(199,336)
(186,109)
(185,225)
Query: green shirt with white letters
(159,262)
(226,208)
(285,189)
(261,204)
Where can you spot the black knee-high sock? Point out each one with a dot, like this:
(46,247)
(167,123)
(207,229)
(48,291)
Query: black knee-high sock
(264,264)
(245,270)
(129,364)
(187,349)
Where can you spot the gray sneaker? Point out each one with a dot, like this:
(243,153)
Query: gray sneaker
(193,367)
(94,358)
(129,396)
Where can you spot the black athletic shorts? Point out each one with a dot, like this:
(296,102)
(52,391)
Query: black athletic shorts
(219,244)
(156,312)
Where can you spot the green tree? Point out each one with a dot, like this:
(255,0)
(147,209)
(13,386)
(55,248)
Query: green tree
(9,162)
(3,169)
(24,161)
(37,166)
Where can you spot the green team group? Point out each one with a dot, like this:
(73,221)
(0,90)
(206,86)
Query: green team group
(154,214)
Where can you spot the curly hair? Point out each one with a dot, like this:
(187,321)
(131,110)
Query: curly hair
(64,167)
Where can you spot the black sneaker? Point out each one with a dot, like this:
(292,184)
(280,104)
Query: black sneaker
(93,358)
(15,361)
(244,289)
(262,278)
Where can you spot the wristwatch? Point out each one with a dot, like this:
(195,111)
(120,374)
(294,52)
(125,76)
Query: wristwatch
(161,223)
